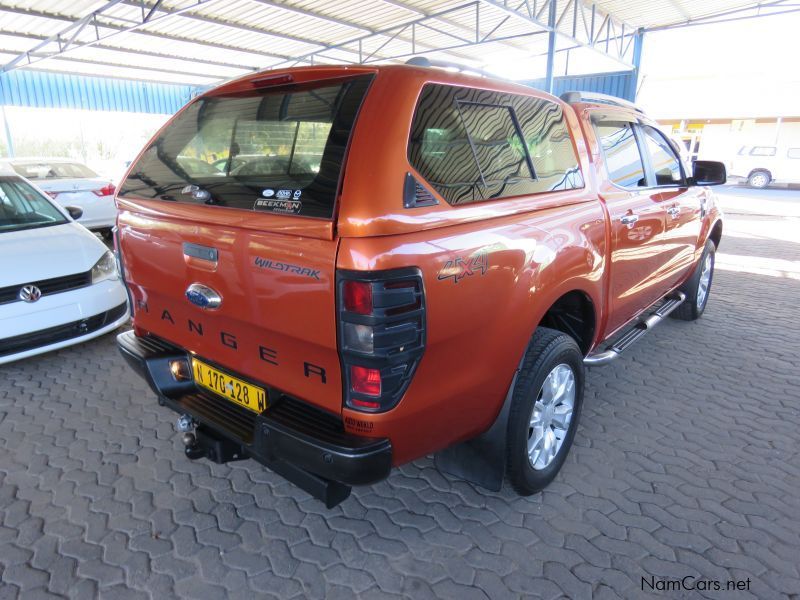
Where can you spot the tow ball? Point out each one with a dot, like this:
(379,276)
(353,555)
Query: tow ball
(186,425)
(199,442)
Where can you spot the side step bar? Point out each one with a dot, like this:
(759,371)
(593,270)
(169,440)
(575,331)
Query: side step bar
(644,325)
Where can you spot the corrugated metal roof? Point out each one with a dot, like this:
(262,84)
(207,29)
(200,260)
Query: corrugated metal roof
(205,41)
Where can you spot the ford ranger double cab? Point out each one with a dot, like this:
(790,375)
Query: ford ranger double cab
(337,270)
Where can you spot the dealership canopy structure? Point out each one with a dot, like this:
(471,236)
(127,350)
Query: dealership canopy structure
(152,56)
(203,42)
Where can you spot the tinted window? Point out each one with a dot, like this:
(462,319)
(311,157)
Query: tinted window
(22,207)
(276,151)
(763,151)
(663,160)
(622,158)
(793,153)
(474,145)
(496,142)
(53,170)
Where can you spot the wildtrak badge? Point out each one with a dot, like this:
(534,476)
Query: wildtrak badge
(266,263)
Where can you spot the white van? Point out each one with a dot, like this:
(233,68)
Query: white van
(762,165)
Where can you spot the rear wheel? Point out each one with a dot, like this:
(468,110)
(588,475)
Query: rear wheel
(544,412)
(698,287)
(759,179)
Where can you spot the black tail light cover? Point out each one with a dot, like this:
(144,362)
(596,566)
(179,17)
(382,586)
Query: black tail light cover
(398,324)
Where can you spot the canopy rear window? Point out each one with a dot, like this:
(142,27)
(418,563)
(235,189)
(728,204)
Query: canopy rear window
(269,150)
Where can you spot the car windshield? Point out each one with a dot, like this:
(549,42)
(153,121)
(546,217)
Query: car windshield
(269,150)
(53,170)
(22,207)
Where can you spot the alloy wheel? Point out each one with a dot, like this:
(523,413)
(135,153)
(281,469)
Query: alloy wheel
(551,416)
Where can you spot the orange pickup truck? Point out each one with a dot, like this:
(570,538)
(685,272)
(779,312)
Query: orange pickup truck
(337,270)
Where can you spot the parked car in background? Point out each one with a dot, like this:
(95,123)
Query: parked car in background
(59,284)
(427,266)
(762,165)
(71,183)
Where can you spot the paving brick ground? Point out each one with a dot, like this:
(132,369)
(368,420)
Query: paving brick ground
(687,462)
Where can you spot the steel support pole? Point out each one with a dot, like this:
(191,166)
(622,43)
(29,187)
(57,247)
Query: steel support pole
(551,45)
(7,129)
(638,40)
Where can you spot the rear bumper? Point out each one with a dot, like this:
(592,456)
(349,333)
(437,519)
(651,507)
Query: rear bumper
(287,437)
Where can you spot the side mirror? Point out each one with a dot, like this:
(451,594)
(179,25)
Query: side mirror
(76,212)
(709,172)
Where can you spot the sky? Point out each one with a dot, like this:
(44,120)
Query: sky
(747,68)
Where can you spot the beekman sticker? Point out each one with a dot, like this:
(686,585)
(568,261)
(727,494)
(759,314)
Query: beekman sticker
(289,207)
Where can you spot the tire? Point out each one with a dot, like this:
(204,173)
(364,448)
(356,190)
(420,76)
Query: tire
(696,294)
(549,351)
(759,179)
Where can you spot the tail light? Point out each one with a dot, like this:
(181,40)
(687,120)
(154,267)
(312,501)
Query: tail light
(381,335)
(107,190)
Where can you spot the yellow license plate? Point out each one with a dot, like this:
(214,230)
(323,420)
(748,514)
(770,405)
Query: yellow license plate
(234,389)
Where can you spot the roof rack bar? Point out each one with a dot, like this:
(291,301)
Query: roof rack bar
(570,97)
(424,61)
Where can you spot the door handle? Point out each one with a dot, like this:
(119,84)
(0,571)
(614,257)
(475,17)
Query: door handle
(629,220)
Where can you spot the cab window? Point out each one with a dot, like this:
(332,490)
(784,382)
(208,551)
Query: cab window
(665,165)
(621,153)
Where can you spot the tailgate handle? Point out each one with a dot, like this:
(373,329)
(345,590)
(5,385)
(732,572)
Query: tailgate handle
(201,252)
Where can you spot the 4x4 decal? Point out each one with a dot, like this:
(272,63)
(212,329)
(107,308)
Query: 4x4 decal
(461,267)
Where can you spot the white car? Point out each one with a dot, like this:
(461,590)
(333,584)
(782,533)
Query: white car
(762,165)
(71,183)
(59,284)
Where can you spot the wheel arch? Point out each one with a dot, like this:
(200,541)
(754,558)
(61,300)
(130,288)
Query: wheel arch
(716,233)
(574,313)
(760,170)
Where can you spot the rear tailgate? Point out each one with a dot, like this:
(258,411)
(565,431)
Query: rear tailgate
(237,193)
(276,324)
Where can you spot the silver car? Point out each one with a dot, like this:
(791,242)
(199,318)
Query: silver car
(71,183)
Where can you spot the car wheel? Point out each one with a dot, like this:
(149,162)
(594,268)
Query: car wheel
(544,411)
(698,287)
(759,179)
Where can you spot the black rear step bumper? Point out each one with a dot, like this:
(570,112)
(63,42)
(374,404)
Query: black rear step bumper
(303,444)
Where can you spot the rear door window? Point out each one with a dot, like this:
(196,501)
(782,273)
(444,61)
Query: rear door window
(272,150)
(762,151)
(474,145)
(621,153)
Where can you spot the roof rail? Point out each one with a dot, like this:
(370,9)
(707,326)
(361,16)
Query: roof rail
(424,61)
(570,97)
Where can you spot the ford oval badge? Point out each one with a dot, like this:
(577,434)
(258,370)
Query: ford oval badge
(203,296)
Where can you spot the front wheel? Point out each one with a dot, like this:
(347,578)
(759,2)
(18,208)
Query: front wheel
(544,411)
(759,179)
(698,287)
